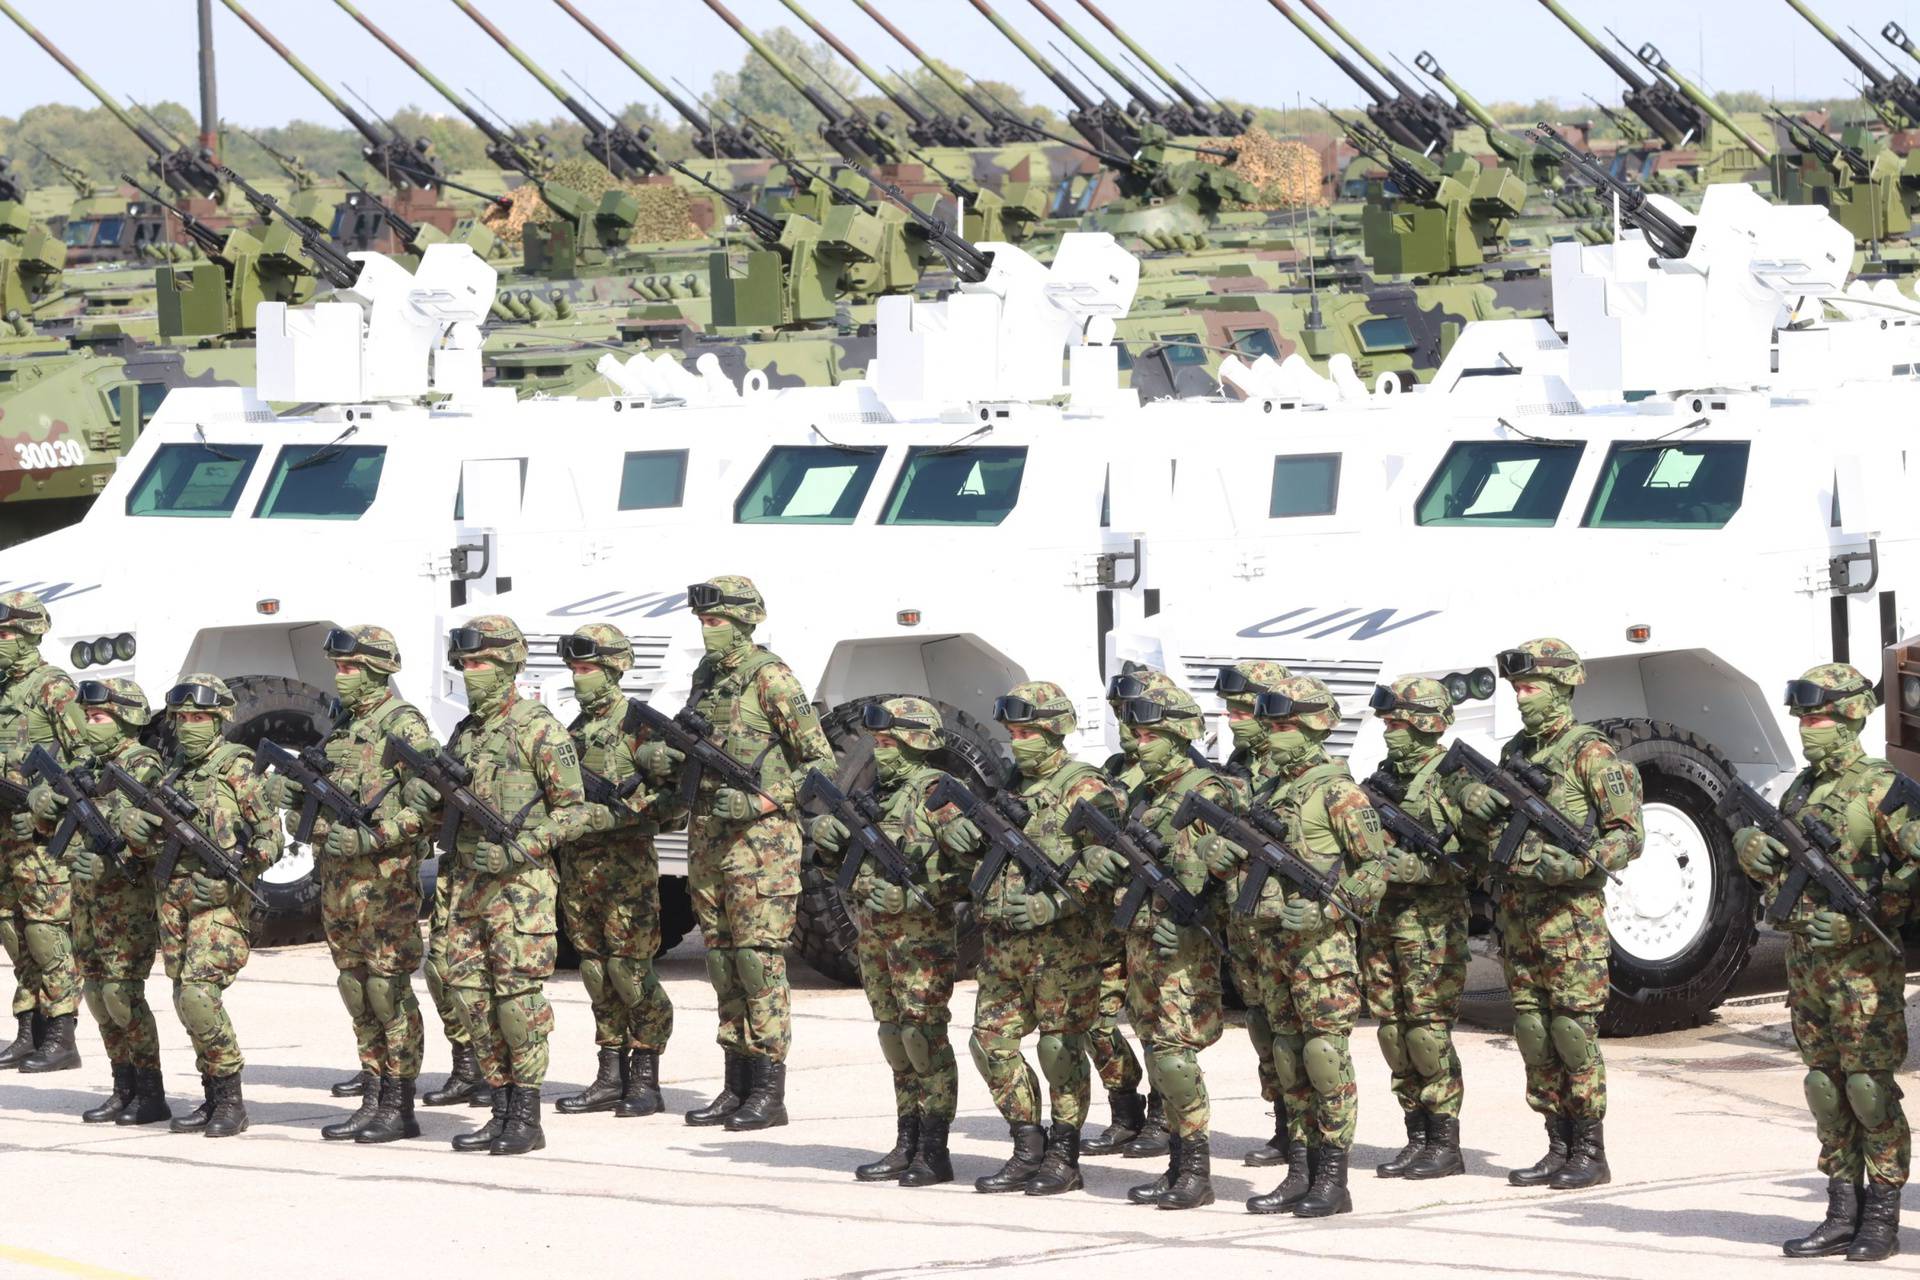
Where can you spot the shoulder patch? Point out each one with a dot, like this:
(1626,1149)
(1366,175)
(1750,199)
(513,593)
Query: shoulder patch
(565,756)
(1370,819)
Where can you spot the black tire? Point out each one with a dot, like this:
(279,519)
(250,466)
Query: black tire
(293,714)
(823,933)
(1686,772)
(676,912)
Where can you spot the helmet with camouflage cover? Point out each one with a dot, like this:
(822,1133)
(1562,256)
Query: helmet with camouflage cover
(494,637)
(25,612)
(1241,683)
(201,691)
(372,647)
(1543,659)
(1175,711)
(1305,699)
(1832,688)
(601,643)
(915,722)
(1144,680)
(1421,701)
(1037,704)
(120,698)
(729,595)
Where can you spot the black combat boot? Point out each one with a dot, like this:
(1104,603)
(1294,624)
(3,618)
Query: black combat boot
(891,1165)
(604,1094)
(1540,1173)
(461,1083)
(1416,1141)
(736,1082)
(1150,1192)
(149,1099)
(766,1104)
(394,1119)
(117,1101)
(57,1051)
(1879,1235)
(1192,1184)
(643,1085)
(1835,1231)
(1060,1171)
(1152,1139)
(521,1133)
(1302,1160)
(482,1138)
(1129,1117)
(1328,1194)
(358,1085)
(1440,1158)
(1586,1164)
(931,1163)
(1274,1151)
(229,1108)
(348,1129)
(196,1120)
(15,1053)
(1029,1150)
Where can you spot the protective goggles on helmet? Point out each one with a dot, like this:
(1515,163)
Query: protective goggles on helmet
(341,644)
(585,649)
(1124,686)
(702,596)
(1385,700)
(1147,711)
(1280,706)
(197,696)
(470,640)
(98,693)
(1011,710)
(877,718)
(1518,662)
(1808,695)
(1232,682)
(21,613)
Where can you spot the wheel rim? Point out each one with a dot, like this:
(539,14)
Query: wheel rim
(294,865)
(1665,896)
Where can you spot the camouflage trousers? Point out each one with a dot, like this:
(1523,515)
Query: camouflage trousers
(25,980)
(610,900)
(452,1024)
(1044,980)
(1175,1005)
(1554,948)
(203,952)
(370,913)
(745,883)
(40,892)
(1849,1019)
(501,946)
(908,962)
(1311,986)
(116,934)
(1113,1058)
(1413,965)
(1243,964)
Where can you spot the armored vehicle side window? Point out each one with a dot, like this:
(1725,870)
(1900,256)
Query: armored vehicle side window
(808,484)
(1697,485)
(1254,343)
(1304,484)
(1499,484)
(1384,333)
(322,482)
(193,480)
(956,486)
(651,478)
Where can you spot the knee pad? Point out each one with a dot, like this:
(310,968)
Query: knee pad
(1329,1065)
(1873,1096)
(10,936)
(1177,1076)
(1823,1098)
(1287,1048)
(917,1039)
(720,973)
(629,978)
(1430,1049)
(121,997)
(1530,1034)
(892,1049)
(1063,1059)
(593,976)
(988,1049)
(389,997)
(49,944)
(198,1004)
(521,1023)
(353,992)
(1393,1047)
(758,970)
(1571,1042)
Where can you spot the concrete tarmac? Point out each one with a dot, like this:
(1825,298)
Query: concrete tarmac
(1710,1142)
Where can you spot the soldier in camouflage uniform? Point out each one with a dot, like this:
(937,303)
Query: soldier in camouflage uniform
(464,1083)
(1039,960)
(38,707)
(1306,949)
(1551,914)
(1845,989)
(1413,957)
(1173,970)
(906,947)
(744,846)
(501,941)
(115,930)
(206,922)
(610,886)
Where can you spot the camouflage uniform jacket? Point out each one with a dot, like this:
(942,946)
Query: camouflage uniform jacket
(1332,828)
(525,765)
(39,708)
(1846,800)
(903,819)
(234,811)
(1427,799)
(1049,800)
(1154,808)
(761,718)
(607,749)
(1591,785)
(354,751)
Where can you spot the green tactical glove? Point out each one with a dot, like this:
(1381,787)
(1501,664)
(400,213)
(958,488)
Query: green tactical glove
(136,826)
(1759,854)
(490,858)
(1031,910)
(1829,931)
(730,805)
(886,898)
(1220,854)
(1908,838)
(962,836)
(1167,936)
(419,796)
(21,823)
(345,841)
(1106,865)
(87,865)
(1555,868)
(210,892)
(658,760)
(283,792)
(1301,915)
(45,803)
(1483,802)
(1407,867)
(829,834)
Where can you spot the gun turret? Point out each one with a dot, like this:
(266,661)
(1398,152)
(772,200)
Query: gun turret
(404,232)
(763,227)
(1828,151)
(1654,101)
(969,264)
(928,130)
(1002,126)
(329,263)
(853,139)
(206,239)
(1412,182)
(1651,58)
(72,174)
(1216,119)
(1103,127)
(1669,238)
(1884,89)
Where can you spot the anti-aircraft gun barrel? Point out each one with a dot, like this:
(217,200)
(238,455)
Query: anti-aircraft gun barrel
(1223,122)
(853,139)
(764,228)
(1443,118)
(1670,239)
(184,170)
(969,263)
(205,238)
(1654,102)
(329,262)
(1149,103)
(1074,94)
(1107,129)
(1896,36)
(839,46)
(1883,88)
(1430,65)
(953,85)
(1651,57)
(1387,111)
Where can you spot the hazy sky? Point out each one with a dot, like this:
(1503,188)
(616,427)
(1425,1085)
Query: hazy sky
(1497,49)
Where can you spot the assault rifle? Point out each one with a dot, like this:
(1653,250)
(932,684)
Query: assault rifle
(1810,845)
(179,829)
(1262,837)
(454,782)
(82,812)
(1408,832)
(1145,853)
(310,769)
(870,844)
(1524,786)
(691,734)
(13,796)
(1006,837)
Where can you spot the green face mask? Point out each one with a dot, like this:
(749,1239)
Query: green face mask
(1247,734)
(487,688)
(1156,754)
(891,763)
(1034,756)
(196,739)
(1290,746)
(1828,742)
(592,686)
(1539,710)
(722,638)
(101,738)
(359,687)
(1405,746)
(15,648)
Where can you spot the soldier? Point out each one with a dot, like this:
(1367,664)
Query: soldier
(38,707)
(906,947)
(1551,914)
(1173,970)
(745,845)
(1413,957)
(610,886)
(1844,986)
(370,882)
(500,935)
(115,930)
(206,922)
(1039,965)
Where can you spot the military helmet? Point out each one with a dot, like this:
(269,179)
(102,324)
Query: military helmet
(201,691)
(1136,680)
(1543,659)
(1172,709)
(120,697)
(495,637)
(914,721)
(25,611)
(372,647)
(600,643)
(1300,698)
(729,596)
(1038,704)
(1242,682)
(1422,702)
(1833,688)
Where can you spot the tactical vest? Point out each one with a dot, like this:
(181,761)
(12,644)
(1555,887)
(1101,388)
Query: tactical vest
(256,824)
(24,722)
(1420,792)
(602,746)
(503,772)
(730,700)
(1302,805)
(1845,805)
(355,749)
(1156,814)
(1567,794)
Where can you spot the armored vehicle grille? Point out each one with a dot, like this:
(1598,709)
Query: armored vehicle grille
(641,680)
(1352,682)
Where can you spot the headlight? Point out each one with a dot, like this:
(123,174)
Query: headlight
(81,655)
(103,651)
(1457,687)
(1910,693)
(1482,682)
(123,646)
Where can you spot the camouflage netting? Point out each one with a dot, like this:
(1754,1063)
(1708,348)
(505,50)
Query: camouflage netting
(1286,173)
(664,211)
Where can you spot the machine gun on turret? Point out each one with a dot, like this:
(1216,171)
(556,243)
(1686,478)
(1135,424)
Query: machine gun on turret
(1408,179)
(329,263)
(298,174)
(1836,155)
(969,264)
(210,242)
(855,139)
(1668,238)
(72,174)
(763,227)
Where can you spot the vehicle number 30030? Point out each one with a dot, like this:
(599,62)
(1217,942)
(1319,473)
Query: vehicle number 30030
(43,454)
